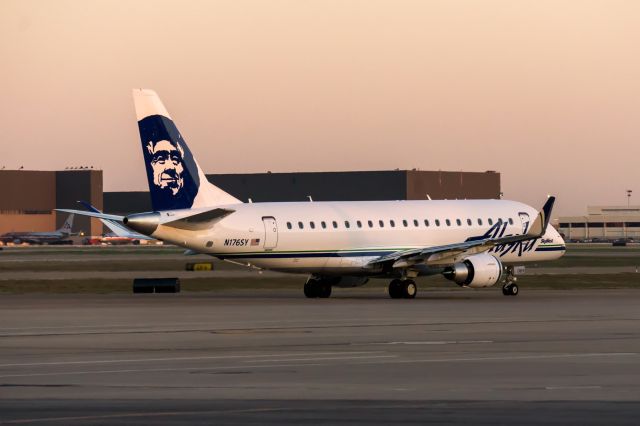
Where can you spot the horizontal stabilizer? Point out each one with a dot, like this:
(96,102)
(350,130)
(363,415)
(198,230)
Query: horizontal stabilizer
(93,214)
(199,221)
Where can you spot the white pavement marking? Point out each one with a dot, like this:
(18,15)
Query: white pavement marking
(437,342)
(236,367)
(134,415)
(191,358)
(572,387)
(510,358)
(324,359)
(157,370)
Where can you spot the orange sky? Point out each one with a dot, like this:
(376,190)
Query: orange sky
(546,92)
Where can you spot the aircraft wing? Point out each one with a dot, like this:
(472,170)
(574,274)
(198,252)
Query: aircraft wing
(447,254)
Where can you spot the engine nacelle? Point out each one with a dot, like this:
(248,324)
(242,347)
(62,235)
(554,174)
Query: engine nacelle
(479,270)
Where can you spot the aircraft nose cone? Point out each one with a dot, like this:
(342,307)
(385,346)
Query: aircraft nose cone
(144,223)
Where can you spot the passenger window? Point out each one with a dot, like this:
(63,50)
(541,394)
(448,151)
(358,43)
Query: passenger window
(335,224)
(312,225)
(392,223)
(510,221)
(359,224)
(426,222)
(323,224)
(415,223)
(458,222)
(437,222)
(346,224)
(479,221)
(490,221)
(381,223)
(289,225)
(469,222)
(300,225)
(448,222)
(404,222)
(370,223)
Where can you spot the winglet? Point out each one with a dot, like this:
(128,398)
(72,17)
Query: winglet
(539,226)
(89,207)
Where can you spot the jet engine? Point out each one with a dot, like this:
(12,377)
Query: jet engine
(479,270)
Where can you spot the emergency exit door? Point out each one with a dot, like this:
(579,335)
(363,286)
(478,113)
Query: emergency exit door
(270,232)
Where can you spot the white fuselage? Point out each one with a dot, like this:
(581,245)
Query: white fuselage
(343,237)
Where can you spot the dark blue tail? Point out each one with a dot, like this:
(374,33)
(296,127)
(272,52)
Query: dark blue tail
(175,179)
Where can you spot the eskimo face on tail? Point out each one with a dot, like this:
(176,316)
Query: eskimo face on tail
(167,165)
(171,170)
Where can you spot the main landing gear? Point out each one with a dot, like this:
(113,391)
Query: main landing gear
(510,288)
(403,289)
(317,288)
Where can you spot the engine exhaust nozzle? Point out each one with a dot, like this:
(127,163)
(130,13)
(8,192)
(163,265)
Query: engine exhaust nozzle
(144,223)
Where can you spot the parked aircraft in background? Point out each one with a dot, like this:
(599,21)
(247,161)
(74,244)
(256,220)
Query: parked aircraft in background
(55,237)
(119,234)
(474,243)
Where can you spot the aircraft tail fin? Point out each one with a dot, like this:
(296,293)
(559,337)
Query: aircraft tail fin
(67,225)
(175,179)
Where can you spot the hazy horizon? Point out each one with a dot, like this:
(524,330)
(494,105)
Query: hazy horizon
(546,93)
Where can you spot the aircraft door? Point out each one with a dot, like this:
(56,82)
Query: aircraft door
(270,232)
(525,221)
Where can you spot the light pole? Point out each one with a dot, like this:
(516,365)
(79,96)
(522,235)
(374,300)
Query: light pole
(629,197)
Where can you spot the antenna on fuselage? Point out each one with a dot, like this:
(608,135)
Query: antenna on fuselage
(310,199)
(428,197)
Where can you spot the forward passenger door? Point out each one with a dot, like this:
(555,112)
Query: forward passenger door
(270,232)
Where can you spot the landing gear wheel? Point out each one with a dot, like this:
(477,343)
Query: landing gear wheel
(324,290)
(409,289)
(510,289)
(311,288)
(395,289)
(317,288)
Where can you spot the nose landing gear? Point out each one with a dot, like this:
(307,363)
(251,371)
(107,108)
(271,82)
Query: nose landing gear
(510,288)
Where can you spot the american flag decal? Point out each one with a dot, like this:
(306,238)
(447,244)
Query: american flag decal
(255,241)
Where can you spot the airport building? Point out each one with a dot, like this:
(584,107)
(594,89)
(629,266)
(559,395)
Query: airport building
(29,197)
(602,222)
(335,186)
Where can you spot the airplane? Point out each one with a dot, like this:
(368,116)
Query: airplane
(474,243)
(54,237)
(119,234)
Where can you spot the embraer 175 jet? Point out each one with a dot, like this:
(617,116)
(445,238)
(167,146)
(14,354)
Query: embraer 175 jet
(474,243)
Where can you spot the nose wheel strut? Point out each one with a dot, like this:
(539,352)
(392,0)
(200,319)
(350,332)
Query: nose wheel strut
(510,288)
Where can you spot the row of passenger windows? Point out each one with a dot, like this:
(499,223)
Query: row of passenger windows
(392,223)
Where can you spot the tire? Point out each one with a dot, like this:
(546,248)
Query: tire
(409,289)
(510,290)
(324,290)
(395,289)
(311,289)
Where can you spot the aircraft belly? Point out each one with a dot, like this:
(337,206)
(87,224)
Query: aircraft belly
(329,265)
